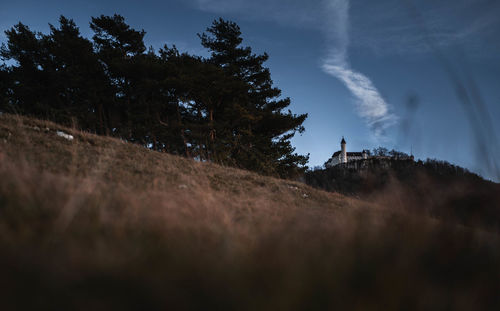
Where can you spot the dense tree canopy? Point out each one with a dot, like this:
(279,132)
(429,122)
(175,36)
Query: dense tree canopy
(223,109)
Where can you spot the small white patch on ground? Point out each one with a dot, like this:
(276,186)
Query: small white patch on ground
(64,135)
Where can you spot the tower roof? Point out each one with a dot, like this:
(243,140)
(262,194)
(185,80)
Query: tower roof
(343,140)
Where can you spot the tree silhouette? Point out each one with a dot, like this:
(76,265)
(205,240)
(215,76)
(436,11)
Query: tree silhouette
(259,131)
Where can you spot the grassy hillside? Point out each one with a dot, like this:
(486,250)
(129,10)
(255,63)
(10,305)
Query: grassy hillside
(95,223)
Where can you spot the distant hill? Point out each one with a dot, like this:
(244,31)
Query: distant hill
(432,186)
(94,223)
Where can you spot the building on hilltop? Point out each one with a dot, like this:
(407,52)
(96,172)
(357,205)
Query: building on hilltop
(342,156)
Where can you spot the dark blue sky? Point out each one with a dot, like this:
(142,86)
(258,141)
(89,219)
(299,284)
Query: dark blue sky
(410,75)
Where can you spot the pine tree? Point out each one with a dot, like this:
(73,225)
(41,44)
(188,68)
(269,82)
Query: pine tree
(28,79)
(259,129)
(77,79)
(176,115)
(119,48)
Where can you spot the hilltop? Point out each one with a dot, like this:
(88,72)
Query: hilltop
(93,222)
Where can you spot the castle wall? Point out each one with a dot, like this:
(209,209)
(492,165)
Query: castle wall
(354,158)
(333,161)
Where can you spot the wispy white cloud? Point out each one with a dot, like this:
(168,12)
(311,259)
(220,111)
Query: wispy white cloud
(370,104)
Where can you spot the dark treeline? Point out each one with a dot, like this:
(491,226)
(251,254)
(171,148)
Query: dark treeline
(373,175)
(384,152)
(222,109)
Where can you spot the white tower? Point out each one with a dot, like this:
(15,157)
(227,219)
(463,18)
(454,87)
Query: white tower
(343,152)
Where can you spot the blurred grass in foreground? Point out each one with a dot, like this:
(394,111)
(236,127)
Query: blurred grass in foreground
(97,224)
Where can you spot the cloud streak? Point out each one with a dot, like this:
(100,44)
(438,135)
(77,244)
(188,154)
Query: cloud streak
(331,16)
(370,104)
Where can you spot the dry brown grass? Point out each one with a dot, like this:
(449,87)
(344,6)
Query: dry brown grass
(96,223)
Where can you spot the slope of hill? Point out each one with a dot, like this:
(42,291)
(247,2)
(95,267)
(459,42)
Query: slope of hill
(96,223)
